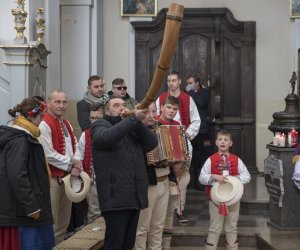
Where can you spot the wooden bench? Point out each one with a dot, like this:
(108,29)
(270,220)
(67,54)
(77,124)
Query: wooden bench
(91,237)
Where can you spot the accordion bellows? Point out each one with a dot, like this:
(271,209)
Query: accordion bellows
(172,146)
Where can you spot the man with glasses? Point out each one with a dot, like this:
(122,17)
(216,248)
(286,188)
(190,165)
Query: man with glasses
(119,90)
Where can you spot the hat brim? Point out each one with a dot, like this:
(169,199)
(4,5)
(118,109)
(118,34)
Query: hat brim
(229,193)
(77,196)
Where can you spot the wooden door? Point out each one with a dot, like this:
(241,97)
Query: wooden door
(220,49)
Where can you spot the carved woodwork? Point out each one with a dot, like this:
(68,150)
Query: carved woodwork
(221,49)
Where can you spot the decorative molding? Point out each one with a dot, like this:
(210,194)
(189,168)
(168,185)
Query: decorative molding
(77,2)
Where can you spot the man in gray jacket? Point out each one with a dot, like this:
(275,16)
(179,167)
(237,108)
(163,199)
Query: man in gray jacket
(119,146)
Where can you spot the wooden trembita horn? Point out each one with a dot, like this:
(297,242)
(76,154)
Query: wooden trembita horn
(169,44)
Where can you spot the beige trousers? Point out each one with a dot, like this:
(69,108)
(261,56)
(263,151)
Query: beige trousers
(217,222)
(61,209)
(168,227)
(152,219)
(183,182)
(93,204)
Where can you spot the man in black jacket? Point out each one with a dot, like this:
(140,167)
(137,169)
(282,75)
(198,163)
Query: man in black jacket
(119,145)
(202,146)
(94,95)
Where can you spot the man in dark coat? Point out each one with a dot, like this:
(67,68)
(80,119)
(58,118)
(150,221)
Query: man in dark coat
(95,95)
(202,146)
(119,145)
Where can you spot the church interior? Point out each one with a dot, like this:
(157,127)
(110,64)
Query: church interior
(246,51)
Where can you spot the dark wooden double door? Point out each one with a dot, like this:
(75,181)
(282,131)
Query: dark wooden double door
(221,50)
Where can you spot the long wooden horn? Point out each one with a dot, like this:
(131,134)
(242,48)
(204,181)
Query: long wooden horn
(170,39)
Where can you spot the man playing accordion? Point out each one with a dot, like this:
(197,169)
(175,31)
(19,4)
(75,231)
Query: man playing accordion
(166,164)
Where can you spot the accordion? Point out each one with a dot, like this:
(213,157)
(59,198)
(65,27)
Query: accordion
(172,146)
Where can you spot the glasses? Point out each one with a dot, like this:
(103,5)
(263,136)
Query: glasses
(120,88)
(94,118)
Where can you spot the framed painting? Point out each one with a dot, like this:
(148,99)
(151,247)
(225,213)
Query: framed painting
(295,8)
(138,7)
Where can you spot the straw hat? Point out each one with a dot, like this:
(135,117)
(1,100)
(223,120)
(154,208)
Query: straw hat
(76,188)
(229,192)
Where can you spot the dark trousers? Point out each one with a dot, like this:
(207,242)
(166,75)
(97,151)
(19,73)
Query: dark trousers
(120,230)
(201,151)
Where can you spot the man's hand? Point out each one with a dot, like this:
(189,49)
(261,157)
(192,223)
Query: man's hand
(76,168)
(140,114)
(178,169)
(75,171)
(219,178)
(77,164)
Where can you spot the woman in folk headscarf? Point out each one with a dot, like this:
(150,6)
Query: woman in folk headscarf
(25,210)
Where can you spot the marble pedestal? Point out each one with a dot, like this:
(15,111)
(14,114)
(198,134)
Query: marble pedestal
(286,217)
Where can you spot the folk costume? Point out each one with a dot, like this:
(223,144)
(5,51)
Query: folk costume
(187,115)
(215,165)
(61,147)
(85,148)
(24,188)
(152,219)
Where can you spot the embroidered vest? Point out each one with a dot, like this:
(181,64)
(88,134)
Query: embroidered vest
(87,160)
(217,166)
(184,108)
(162,122)
(58,139)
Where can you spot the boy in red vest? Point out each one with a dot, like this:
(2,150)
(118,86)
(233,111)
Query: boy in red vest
(179,171)
(187,115)
(216,168)
(85,148)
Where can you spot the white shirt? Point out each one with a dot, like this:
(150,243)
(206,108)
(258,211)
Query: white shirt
(54,158)
(205,175)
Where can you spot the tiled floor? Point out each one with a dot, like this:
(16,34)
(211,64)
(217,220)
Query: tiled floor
(254,218)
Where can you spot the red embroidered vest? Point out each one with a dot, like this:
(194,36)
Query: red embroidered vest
(173,122)
(217,166)
(184,108)
(87,160)
(58,139)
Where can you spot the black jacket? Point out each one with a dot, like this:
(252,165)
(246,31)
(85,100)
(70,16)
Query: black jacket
(118,159)
(83,114)
(24,182)
(201,100)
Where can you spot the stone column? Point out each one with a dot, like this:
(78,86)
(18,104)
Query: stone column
(26,70)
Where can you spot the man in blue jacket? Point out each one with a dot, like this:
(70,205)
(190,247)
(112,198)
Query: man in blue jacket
(119,146)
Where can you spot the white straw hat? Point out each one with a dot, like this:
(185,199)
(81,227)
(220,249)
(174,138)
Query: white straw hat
(76,188)
(229,192)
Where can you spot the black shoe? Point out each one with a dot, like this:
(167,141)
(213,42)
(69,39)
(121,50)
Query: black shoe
(182,218)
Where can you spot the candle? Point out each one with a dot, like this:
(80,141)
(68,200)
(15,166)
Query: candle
(282,140)
(276,139)
(294,138)
(290,138)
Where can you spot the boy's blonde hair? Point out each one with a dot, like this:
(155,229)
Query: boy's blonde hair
(224,132)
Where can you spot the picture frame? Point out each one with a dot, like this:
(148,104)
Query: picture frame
(138,7)
(294,8)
